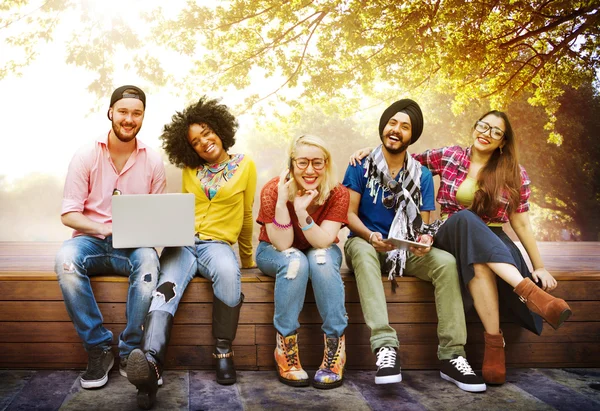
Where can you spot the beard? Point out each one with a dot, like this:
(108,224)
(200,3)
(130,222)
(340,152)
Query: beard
(123,137)
(398,150)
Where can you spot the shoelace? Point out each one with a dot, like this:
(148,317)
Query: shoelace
(386,357)
(332,352)
(290,354)
(95,359)
(461,364)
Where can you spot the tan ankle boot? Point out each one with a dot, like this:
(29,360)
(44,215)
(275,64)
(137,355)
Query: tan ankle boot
(494,367)
(554,310)
(287,359)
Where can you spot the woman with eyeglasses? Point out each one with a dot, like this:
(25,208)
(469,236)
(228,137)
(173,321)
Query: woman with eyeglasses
(301,213)
(483,187)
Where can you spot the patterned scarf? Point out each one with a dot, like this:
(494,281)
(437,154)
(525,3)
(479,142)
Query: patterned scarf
(213,176)
(407,223)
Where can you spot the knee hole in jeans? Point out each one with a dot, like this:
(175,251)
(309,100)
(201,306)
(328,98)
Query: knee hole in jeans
(293,266)
(166,291)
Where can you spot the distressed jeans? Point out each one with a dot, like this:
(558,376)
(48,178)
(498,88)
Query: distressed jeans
(437,267)
(292,269)
(214,260)
(84,256)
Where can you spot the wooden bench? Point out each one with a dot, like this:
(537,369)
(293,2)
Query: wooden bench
(35,330)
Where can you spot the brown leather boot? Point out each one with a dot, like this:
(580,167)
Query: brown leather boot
(494,368)
(554,310)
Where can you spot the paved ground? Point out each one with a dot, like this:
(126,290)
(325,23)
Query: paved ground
(526,389)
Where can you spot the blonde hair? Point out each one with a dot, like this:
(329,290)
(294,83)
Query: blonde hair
(329,181)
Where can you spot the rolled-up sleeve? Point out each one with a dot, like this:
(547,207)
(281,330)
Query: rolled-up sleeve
(77,184)
(159,179)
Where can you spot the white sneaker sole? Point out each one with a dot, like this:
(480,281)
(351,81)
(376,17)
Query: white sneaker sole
(96,383)
(463,386)
(124,374)
(388,379)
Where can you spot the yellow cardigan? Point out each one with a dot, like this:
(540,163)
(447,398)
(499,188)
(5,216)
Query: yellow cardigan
(228,216)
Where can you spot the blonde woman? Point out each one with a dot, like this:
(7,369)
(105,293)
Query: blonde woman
(301,213)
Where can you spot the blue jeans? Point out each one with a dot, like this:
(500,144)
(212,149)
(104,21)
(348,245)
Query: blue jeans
(84,256)
(214,260)
(292,269)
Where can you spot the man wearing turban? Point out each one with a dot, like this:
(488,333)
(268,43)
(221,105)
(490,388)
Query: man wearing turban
(391,196)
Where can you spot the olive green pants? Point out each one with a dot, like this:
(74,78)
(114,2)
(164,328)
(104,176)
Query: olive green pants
(437,267)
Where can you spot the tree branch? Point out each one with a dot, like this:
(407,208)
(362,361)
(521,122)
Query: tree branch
(26,15)
(547,58)
(268,46)
(548,27)
(316,25)
(244,18)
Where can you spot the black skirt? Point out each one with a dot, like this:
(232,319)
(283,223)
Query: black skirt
(471,241)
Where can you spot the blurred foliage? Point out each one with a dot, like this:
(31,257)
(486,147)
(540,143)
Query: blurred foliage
(332,50)
(327,52)
(566,177)
(332,66)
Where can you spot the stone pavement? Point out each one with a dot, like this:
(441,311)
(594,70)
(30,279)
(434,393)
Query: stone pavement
(526,389)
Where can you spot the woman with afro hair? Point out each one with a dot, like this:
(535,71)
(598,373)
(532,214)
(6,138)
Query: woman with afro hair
(197,140)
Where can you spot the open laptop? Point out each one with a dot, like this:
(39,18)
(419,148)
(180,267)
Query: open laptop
(153,220)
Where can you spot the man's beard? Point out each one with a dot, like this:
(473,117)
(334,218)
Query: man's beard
(398,150)
(121,137)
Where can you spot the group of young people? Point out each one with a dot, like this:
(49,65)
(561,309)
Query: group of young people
(385,193)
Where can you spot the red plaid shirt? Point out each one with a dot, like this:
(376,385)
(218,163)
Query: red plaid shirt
(452,165)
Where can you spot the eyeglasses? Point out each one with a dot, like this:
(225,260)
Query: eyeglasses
(495,132)
(390,200)
(303,162)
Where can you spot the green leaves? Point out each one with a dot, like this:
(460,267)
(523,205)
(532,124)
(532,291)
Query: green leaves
(319,50)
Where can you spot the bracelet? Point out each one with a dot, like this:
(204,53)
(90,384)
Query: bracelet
(281,226)
(371,238)
(307,227)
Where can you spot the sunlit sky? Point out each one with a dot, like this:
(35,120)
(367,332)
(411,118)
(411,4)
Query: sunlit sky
(47,113)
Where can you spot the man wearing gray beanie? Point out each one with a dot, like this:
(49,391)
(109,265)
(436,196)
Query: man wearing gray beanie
(391,197)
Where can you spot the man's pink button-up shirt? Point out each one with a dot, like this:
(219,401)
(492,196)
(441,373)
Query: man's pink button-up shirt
(92,178)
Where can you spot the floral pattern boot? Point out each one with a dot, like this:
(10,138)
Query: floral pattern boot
(287,358)
(331,372)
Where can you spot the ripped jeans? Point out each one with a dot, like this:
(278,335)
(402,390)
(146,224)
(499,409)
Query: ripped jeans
(292,269)
(84,256)
(214,260)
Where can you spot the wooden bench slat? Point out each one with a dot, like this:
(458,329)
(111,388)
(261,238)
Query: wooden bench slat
(54,331)
(256,313)
(201,291)
(557,256)
(356,334)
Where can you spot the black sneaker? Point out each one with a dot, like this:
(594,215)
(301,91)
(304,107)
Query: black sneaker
(458,371)
(388,366)
(123,370)
(100,361)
